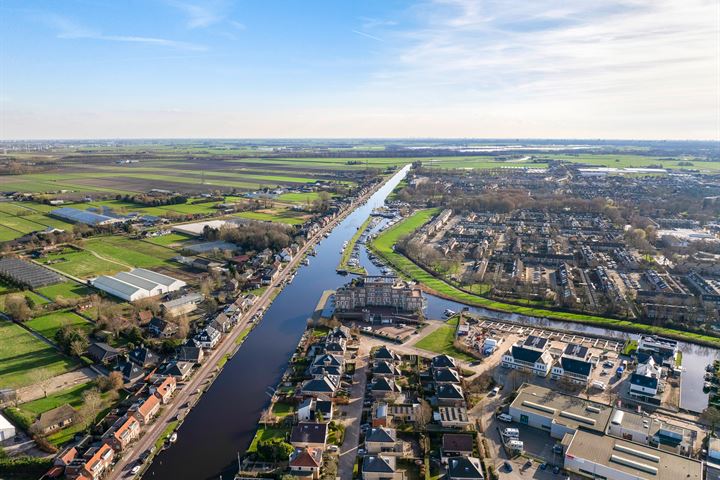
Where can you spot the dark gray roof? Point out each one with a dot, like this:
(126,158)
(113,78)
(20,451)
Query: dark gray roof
(380,435)
(318,385)
(378,464)
(384,353)
(643,381)
(576,366)
(535,342)
(384,368)
(102,352)
(576,350)
(463,468)
(306,432)
(381,384)
(446,375)
(451,391)
(443,361)
(457,442)
(524,354)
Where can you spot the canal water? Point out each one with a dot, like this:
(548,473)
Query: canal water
(222,424)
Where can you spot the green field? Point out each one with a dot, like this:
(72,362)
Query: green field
(169,239)
(48,325)
(441,341)
(67,290)
(31,296)
(82,264)
(133,253)
(72,396)
(24,358)
(301,198)
(285,216)
(382,246)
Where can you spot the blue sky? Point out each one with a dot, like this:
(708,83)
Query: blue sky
(376,68)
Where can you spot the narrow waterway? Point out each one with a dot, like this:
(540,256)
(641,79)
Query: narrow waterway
(224,421)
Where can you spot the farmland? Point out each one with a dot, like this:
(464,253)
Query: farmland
(48,325)
(24,358)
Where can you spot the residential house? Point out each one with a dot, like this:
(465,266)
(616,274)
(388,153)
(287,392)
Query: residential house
(146,410)
(55,419)
(208,338)
(449,394)
(645,382)
(306,462)
(385,369)
(464,468)
(144,357)
(452,417)
(456,445)
(382,387)
(380,467)
(386,355)
(574,365)
(443,361)
(314,410)
(179,370)
(323,387)
(92,465)
(309,434)
(162,329)
(381,440)
(102,352)
(164,389)
(445,375)
(530,355)
(125,430)
(190,354)
(131,372)
(222,323)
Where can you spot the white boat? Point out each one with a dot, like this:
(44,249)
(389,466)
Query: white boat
(449,313)
(306,261)
(173,437)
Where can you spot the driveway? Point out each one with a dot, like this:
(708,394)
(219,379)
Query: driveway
(348,450)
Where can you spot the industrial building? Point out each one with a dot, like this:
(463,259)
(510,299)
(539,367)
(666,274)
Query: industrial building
(557,413)
(73,215)
(137,284)
(652,431)
(595,455)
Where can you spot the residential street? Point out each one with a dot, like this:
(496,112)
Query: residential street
(348,450)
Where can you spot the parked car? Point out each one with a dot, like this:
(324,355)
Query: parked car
(556,469)
(495,391)
(507,466)
(504,417)
(543,466)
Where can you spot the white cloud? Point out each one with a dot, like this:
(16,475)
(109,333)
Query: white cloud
(69,29)
(202,14)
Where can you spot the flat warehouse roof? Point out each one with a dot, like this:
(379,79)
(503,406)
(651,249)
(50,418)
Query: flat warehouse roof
(632,458)
(564,409)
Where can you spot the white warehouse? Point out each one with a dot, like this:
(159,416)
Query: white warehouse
(137,284)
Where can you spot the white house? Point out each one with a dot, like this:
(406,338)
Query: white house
(530,355)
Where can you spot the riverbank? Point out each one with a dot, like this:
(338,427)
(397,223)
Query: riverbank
(347,251)
(383,244)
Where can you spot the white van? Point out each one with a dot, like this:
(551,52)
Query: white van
(494,391)
(516,445)
(505,417)
(511,432)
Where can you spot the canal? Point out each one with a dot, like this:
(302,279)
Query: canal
(223,423)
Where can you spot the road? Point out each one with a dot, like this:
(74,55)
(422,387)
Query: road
(348,450)
(208,369)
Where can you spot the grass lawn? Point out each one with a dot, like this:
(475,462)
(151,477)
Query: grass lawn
(166,433)
(383,246)
(66,290)
(266,433)
(282,409)
(296,197)
(48,325)
(441,341)
(243,335)
(22,356)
